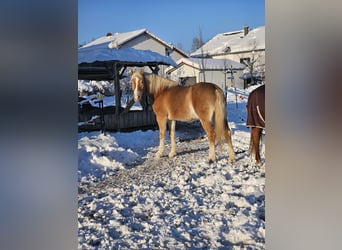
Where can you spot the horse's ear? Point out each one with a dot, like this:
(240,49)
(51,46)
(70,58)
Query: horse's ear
(141,71)
(131,71)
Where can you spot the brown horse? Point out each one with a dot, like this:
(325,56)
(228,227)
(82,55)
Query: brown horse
(256,119)
(202,101)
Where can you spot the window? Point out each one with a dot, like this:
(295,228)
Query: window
(187,80)
(168,51)
(245,60)
(227,49)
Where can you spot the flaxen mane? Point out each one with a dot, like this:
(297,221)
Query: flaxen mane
(155,83)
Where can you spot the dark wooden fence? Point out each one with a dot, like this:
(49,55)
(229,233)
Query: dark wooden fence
(128,121)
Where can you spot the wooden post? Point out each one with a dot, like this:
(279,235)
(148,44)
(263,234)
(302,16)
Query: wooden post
(154,70)
(117,94)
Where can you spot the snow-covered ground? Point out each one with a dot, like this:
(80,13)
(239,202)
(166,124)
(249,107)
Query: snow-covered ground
(130,200)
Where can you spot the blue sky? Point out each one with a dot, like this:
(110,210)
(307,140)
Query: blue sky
(174,21)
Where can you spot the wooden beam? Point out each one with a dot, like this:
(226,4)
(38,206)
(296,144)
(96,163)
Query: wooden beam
(154,69)
(122,71)
(117,68)
(128,107)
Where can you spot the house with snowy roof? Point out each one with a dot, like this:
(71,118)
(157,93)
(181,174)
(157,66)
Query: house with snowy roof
(191,70)
(246,46)
(141,40)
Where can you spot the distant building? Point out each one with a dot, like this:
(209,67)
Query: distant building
(192,70)
(142,40)
(246,46)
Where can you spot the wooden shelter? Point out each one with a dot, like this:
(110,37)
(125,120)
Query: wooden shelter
(101,62)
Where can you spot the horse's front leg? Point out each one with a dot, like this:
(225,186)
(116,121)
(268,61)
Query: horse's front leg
(172,139)
(162,128)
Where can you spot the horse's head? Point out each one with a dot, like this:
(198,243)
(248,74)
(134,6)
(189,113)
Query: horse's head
(138,86)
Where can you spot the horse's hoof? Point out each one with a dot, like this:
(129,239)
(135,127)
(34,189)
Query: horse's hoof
(172,155)
(231,161)
(211,161)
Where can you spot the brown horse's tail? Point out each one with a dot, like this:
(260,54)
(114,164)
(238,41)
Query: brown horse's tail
(220,117)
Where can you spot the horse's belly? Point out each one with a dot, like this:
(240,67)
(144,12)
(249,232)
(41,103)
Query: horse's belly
(183,114)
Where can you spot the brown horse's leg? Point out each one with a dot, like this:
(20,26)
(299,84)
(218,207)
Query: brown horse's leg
(230,145)
(251,145)
(162,128)
(211,137)
(255,140)
(172,139)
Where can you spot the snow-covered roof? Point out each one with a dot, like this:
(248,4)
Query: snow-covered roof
(95,62)
(118,39)
(209,64)
(102,53)
(233,42)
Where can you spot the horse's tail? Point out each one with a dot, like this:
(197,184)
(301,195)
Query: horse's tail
(220,117)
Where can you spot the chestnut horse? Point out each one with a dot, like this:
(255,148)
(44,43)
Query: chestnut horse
(172,102)
(256,119)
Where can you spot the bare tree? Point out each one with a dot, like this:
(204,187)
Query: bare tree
(252,61)
(197,43)
(202,66)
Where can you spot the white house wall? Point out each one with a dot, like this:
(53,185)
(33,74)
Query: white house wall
(236,57)
(221,79)
(184,71)
(145,42)
(214,76)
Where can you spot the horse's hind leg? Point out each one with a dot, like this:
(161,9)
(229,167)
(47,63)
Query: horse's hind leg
(230,145)
(255,141)
(172,139)
(211,137)
(162,128)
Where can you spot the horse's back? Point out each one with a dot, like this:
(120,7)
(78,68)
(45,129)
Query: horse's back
(205,86)
(205,91)
(201,92)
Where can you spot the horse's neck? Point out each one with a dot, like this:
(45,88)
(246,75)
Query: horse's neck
(156,84)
